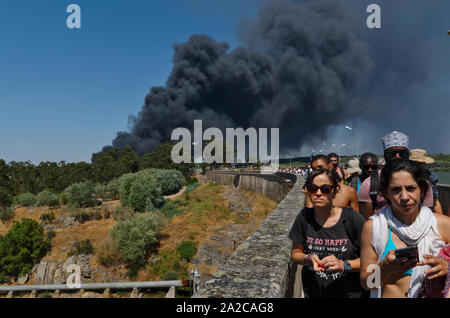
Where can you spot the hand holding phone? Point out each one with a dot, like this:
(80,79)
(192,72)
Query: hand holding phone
(411,253)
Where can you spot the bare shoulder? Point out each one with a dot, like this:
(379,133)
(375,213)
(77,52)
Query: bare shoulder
(443,223)
(348,190)
(368,226)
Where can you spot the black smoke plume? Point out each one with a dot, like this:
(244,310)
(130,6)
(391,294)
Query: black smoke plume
(303,66)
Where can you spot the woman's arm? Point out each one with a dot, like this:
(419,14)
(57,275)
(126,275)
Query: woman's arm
(368,254)
(299,256)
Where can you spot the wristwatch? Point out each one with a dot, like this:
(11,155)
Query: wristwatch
(347,266)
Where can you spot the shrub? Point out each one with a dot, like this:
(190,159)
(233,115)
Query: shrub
(47,198)
(26,199)
(121,213)
(112,190)
(82,247)
(50,235)
(187,250)
(191,181)
(108,254)
(170,275)
(80,215)
(6,199)
(82,194)
(125,183)
(135,236)
(170,210)
(170,181)
(106,212)
(145,194)
(63,199)
(22,247)
(6,214)
(47,217)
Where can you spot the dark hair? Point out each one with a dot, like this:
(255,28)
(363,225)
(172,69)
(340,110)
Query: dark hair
(317,157)
(332,155)
(416,170)
(366,156)
(331,174)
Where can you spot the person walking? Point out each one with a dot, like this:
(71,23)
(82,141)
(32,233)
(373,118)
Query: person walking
(326,241)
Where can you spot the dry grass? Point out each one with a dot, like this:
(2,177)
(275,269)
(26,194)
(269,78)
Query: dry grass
(207,211)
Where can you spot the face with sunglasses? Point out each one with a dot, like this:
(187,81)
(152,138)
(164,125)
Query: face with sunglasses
(396,152)
(321,191)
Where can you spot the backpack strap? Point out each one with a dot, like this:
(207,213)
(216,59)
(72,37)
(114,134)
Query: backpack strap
(350,229)
(374,187)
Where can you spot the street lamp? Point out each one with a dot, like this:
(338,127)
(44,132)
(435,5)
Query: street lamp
(356,135)
(339,147)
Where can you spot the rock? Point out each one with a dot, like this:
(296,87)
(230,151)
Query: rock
(135,293)
(40,273)
(91,295)
(22,279)
(50,227)
(58,277)
(63,249)
(30,212)
(32,294)
(10,294)
(56,294)
(107,293)
(170,293)
(49,277)
(83,262)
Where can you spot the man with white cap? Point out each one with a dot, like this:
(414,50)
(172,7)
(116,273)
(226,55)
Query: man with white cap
(420,156)
(370,198)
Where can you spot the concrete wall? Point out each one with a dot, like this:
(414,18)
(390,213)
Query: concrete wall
(444,196)
(272,186)
(261,266)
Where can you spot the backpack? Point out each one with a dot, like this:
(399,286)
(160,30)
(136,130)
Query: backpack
(374,188)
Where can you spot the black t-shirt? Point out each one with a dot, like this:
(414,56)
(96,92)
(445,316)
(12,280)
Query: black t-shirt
(339,240)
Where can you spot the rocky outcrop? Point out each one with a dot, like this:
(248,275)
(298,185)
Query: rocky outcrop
(51,272)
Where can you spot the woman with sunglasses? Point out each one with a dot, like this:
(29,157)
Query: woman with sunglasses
(405,222)
(326,241)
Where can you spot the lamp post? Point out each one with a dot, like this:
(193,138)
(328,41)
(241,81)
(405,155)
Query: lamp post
(356,136)
(339,147)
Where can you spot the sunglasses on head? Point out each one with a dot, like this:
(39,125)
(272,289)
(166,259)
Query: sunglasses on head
(325,188)
(390,154)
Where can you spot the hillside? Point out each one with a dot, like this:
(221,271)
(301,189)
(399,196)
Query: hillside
(206,212)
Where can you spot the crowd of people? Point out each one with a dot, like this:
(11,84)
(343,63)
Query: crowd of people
(374,228)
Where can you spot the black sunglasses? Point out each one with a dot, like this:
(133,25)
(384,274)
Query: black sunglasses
(370,167)
(390,154)
(325,188)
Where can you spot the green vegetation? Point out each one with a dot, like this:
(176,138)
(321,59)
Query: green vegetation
(47,217)
(170,210)
(187,250)
(169,266)
(82,247)
(47,198)
(135,236)
(26,199)
(6,198)
(6,214)
(108,254)
(81,195)
(21,248)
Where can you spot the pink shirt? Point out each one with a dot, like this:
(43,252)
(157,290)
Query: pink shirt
(364,196)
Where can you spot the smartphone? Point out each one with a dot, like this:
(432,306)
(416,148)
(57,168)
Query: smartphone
(411,252)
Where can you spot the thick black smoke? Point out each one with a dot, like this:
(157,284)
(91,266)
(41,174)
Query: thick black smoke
(303,66)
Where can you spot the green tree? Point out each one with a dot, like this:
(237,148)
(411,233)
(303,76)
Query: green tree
(22,247)
(6,198)
(81,194)
(128,161)
(134,236)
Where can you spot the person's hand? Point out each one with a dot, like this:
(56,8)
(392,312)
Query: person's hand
(439,267)
(316,263)
(394,268)
(332,263)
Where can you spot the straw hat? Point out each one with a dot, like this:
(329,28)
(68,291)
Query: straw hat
(419,155)
(353,166)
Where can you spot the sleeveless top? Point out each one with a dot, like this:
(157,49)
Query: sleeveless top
(391,246)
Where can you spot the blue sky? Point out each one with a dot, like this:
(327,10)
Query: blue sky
(65,93)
